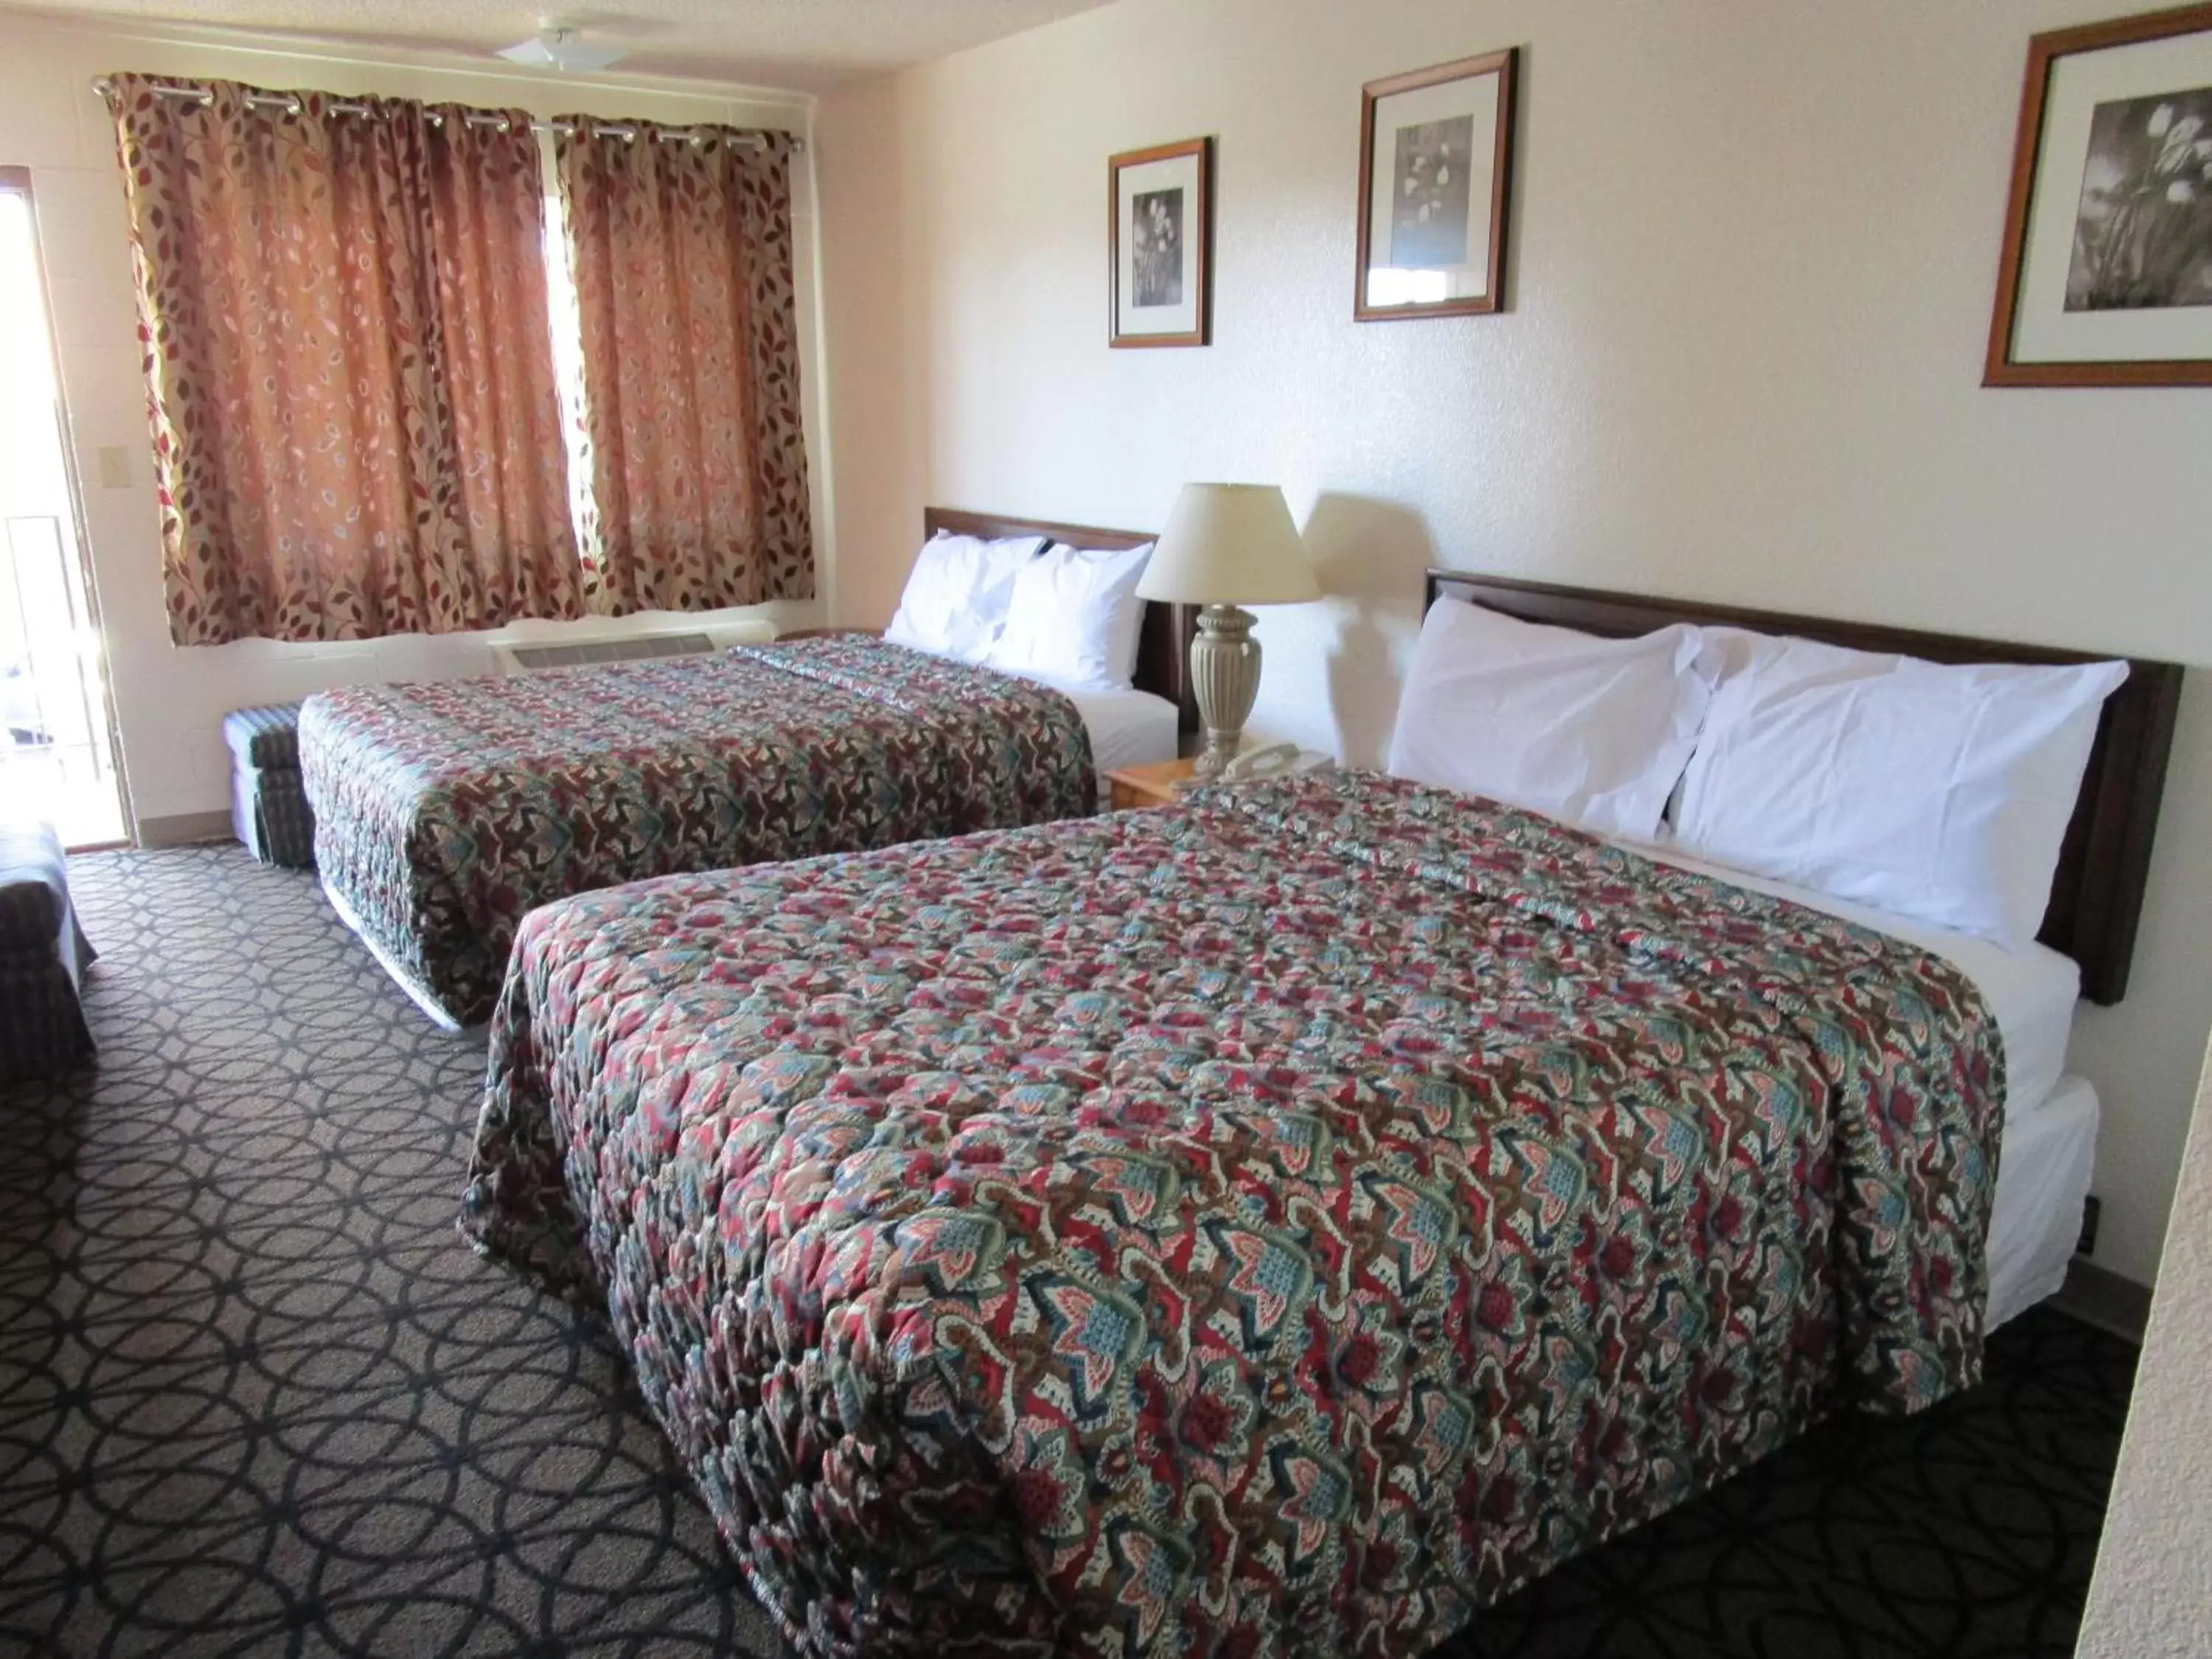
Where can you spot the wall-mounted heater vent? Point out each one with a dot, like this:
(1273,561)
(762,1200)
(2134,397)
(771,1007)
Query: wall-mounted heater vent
(536,656)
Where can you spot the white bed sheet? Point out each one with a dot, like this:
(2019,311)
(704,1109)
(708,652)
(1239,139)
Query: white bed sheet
(2031,993)
(1128,728)
(2044,1169)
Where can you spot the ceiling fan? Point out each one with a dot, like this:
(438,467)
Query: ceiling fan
(562,46)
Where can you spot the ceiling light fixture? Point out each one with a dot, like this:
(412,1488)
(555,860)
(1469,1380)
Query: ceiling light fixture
(554,47)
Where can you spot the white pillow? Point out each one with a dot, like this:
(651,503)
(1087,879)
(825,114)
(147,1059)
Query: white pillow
(955,597)
(1935,791)
(1074,618)
(1592,731)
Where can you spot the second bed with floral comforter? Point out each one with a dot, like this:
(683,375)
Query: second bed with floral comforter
(1282,1224)
(443,811)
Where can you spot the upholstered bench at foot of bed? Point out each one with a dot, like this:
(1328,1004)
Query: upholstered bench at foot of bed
(43,956)
(268,806)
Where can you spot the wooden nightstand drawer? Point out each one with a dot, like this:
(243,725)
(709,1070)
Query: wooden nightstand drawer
(1132,787)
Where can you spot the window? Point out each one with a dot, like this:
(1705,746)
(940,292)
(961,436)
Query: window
(567,329)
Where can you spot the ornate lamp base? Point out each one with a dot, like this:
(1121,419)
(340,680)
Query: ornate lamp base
(1224,677)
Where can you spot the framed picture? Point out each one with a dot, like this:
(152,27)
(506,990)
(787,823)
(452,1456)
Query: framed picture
(1435,156)
(1160,227)
(2107,271)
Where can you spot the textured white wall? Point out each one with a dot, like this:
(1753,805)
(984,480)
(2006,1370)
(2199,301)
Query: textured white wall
(170,702)
(1752,253)
(2152,1595)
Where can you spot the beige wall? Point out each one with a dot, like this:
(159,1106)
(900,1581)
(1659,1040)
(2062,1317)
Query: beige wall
(2152,1595)
(1754,250)
(170,702)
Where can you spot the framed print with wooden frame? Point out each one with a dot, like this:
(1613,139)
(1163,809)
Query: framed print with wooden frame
(1436,161)
(2107,277)
(1159,231)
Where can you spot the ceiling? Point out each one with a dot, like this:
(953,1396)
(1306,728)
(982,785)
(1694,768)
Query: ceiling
(805,45)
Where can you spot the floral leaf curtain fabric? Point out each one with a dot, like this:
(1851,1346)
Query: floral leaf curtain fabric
(679,245)
(348,362)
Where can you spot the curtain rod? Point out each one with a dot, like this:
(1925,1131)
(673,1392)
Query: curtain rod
(612,130)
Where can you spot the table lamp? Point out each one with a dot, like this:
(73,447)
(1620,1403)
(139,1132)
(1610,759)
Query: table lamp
(1227,546)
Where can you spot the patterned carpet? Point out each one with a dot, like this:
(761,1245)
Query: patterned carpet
(256,1397)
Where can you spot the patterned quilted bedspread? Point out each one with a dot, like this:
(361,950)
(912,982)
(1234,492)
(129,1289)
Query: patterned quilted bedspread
(1282,1224)
(443,811)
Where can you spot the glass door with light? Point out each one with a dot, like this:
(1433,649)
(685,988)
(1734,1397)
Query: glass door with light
(57,739)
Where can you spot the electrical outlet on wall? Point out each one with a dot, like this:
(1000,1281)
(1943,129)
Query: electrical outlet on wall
(2090,1210)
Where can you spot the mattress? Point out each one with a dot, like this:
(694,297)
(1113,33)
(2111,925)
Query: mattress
(2044,1168)
(1127,727)
(2047,1154)
(2031,993)
(444,811)
(1287,1223)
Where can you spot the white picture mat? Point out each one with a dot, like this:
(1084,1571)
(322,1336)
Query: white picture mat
(2043,331)
(1175,173)
(1477,95)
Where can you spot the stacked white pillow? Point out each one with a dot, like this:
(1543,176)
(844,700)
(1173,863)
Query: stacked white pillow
(1936,791)
(1931,791)
(1074,617)
(1591,731)
(956,596)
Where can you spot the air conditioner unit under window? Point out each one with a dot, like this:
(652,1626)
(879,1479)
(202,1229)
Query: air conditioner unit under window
(579,650)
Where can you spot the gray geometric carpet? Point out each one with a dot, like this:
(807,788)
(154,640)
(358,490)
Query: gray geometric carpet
(1965,1533)
(257,1396)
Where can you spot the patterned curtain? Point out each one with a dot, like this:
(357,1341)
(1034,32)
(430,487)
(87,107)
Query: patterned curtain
(679,242)
(348,365)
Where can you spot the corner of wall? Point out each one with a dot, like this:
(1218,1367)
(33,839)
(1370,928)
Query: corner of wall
(876,368)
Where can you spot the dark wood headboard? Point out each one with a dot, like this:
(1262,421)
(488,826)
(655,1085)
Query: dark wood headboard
(2097,893)
(1163,646)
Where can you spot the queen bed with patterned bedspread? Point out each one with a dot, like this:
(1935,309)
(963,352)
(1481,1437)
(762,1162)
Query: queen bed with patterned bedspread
(443,811)
(1282,1224)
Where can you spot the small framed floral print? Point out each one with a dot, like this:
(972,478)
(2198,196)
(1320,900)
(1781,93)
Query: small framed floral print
(1159,231)
(1436,159)
(2106,278)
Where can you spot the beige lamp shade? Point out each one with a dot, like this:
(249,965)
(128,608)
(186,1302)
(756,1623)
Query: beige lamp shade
(1229,544)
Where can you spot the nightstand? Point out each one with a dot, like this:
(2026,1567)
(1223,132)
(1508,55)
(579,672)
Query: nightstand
(1163,783)
(1152,784)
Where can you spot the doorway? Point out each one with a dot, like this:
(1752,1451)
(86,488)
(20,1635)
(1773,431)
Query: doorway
(57,739)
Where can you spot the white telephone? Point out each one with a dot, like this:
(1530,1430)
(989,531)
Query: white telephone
(1276,760)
